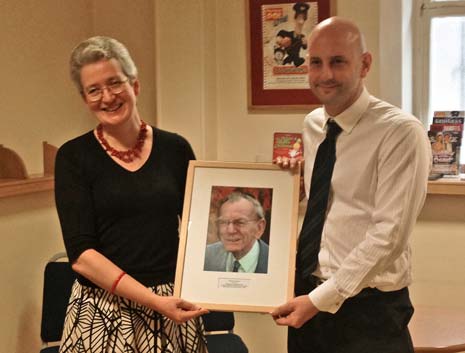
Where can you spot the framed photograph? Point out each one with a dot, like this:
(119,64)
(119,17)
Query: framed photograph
(238,236)
(277,45)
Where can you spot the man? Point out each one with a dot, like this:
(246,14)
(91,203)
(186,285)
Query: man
(293,41)
(448,144)
(355,298)
(241,223)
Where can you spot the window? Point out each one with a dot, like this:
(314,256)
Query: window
(440,59)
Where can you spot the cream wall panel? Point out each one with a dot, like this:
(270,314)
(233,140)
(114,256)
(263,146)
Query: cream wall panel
(210,64)
(131,22)
(38,103)
(242,135)
(366,14)
(181,78)
(30,235)
(38,99)
(438,241)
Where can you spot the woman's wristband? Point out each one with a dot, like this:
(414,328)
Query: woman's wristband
(115,283)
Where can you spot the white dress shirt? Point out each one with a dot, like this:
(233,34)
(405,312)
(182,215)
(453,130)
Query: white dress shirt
(378,187)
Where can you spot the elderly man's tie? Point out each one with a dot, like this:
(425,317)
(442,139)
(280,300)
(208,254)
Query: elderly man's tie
(310,235)
(236,266)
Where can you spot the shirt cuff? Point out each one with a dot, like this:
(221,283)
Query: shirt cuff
(325,297)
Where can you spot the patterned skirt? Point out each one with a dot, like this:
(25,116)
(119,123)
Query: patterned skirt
(97,321)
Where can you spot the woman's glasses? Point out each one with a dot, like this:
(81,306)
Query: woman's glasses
(95,93)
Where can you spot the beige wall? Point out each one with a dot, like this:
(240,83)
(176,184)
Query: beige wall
(438,259)
(38,100)
(193,83)
(202,77)
(39,103)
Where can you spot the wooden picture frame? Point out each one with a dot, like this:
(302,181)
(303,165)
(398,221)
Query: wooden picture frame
(277,31)
(277,192)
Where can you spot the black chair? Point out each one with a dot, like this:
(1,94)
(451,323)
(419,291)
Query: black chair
(220,336)
(58,280)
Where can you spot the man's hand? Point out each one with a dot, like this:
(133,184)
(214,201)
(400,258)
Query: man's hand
(295,312)
(288,163)
(177,309)
(291,163)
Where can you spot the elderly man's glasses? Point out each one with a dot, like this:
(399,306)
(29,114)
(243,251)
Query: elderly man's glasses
(236,223)
(95,94)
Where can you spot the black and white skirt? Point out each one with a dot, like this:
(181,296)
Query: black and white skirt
(97,321)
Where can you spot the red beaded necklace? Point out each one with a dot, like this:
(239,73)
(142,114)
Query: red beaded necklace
(127,156)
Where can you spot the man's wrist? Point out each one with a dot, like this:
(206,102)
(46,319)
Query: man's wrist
(325,297)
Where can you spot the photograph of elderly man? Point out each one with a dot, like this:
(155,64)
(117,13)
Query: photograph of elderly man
(239,222)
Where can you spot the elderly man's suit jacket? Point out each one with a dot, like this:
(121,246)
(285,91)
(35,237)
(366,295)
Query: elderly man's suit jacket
(216,255)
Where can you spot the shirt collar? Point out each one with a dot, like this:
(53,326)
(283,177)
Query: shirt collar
(351,116)
(248,262)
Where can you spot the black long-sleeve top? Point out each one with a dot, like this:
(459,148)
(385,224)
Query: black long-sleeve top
(129,217)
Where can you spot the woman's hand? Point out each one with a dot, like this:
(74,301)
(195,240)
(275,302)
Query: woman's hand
(177,309)
(101,271)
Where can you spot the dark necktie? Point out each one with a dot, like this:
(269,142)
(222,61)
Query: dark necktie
(310,234)
(236,266)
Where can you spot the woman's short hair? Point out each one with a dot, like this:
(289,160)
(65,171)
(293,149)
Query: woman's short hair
(100,48)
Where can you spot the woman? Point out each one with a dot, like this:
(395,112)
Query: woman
(119,190)
(438,145)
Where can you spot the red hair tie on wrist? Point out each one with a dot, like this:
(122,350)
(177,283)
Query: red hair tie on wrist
(115,283)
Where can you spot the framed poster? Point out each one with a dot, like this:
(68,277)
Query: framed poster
(277,46)
(238,236)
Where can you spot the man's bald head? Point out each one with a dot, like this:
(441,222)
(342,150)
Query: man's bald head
(342,29)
